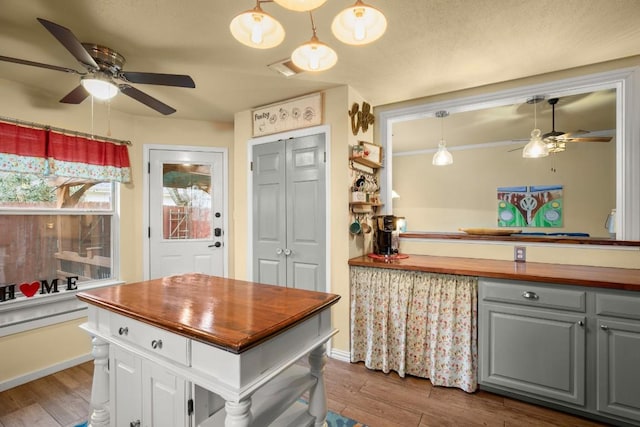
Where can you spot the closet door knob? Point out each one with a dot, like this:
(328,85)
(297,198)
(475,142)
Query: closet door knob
(287,252)
(604,327)
(279,251)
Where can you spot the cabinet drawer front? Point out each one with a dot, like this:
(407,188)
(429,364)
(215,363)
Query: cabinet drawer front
(617,305)
(527,293)
(150,338)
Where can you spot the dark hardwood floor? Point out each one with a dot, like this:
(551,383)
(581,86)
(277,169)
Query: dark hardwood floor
(373,398)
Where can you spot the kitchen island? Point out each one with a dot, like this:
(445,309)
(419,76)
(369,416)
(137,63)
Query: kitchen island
(207,351)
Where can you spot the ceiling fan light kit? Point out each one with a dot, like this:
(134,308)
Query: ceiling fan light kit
(99,85)
(356,25)
(535,148)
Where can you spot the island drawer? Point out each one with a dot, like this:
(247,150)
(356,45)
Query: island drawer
(625,305)
(150,338)
(532,294)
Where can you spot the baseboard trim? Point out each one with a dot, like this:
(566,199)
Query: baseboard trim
(341,355)
(32,376)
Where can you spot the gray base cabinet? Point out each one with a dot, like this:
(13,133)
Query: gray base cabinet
(568,346)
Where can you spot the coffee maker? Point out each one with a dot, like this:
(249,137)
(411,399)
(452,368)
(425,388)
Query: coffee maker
(386,237)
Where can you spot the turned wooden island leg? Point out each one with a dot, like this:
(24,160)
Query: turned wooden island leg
(317,394)
(238,413)
(100,388)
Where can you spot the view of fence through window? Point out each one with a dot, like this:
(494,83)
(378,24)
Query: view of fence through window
(54,227)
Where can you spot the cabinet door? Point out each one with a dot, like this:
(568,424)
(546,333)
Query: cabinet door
(533,351)
(619,368)
(126,381)
(164,397)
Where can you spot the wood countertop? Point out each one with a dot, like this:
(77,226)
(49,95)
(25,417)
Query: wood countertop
(602,277)
(231,314)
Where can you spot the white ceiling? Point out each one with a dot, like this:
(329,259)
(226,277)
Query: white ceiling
(431,47)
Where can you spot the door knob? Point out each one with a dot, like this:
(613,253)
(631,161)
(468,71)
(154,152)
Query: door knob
(604,327)
(216,245)
(279,251)
(287,252)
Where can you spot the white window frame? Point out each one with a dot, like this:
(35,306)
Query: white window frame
(24,314)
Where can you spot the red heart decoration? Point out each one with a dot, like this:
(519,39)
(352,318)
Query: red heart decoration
(29,289)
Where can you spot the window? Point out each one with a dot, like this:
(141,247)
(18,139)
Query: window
(58,222)
(57,234)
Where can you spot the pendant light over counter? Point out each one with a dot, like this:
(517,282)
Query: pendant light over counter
(442,157)
(356,25)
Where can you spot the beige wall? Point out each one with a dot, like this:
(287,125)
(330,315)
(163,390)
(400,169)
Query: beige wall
(464,194)
(22,353)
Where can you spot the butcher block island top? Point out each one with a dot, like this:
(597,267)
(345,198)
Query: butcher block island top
(230,314)
(603,277)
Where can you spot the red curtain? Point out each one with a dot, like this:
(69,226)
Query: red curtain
(39,151)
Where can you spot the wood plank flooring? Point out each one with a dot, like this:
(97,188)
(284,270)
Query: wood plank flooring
(373,398)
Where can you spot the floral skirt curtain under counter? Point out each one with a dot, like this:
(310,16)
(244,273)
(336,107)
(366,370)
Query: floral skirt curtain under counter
(416,323)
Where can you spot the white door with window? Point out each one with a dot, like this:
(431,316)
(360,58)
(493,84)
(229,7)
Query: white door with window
(186,212)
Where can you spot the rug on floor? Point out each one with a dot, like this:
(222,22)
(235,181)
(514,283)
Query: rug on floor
(333,420)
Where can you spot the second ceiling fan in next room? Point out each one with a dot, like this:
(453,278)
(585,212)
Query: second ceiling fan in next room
(104,67)
(556,140)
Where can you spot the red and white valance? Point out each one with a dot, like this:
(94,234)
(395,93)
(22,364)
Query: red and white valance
(47,152)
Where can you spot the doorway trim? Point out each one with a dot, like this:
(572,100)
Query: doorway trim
(316,130)
(146,153)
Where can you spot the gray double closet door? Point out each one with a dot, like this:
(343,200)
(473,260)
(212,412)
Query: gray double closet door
(289,213)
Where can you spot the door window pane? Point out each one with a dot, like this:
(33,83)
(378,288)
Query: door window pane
(186,201)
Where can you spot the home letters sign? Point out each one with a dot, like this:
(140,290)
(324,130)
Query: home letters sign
(8,292)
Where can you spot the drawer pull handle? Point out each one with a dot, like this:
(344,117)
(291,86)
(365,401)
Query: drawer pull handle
(604,327)
(530,295)
(135,423)
(156,344)
(123,331)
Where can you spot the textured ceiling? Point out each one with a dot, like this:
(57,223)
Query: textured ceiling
(431,46)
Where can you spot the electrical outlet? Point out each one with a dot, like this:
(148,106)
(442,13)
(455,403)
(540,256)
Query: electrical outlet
(520,254)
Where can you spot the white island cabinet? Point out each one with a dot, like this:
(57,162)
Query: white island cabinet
(196,350)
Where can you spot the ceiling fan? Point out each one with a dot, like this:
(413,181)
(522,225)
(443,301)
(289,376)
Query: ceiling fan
(103,67)
(556,140)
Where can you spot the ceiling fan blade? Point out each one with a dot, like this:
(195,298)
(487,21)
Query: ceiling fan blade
(588,139)
(71,43)
(147,100)
(76,96)
(179,80)
(39,64)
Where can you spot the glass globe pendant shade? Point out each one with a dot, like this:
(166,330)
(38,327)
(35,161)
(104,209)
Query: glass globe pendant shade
(100,86)
(300,5)
(314,56)
(359,24)
(442,157)
(257,29)
(535,148)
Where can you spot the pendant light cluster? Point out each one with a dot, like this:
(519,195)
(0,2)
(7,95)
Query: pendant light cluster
(356,25)
(442,157)
(536,147)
